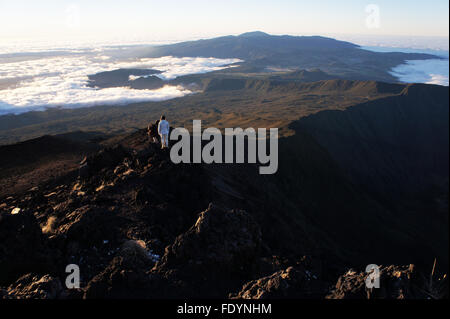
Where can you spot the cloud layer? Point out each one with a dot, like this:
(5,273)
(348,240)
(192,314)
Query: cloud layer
(61,81)
(434,71)
(423,71)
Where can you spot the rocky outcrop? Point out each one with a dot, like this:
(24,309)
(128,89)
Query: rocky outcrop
(125,277)
(31,286)
(89,225)
(395,282)
(220,237)
(214,253)
(293,282)
(205,261)
(106,158)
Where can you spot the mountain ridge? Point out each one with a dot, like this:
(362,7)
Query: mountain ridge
(289,99)
(259,50)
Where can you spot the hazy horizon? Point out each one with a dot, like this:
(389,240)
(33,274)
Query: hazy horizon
(19,45)
(173,21)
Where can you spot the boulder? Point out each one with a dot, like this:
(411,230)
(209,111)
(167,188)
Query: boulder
(216,252)
(293,282)
(109,157)
(126,275)
(22,247)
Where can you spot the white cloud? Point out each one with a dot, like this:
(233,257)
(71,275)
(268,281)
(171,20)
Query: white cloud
(26,99)
(432,71)
(438,79)
(61,81)
(423,71)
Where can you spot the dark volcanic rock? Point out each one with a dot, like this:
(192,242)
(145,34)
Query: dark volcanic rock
(106,158)
(214,253)
(396,282)
(22,247)
(290,283)
(223,238)
(118,280)
(89,225)
(35,287)
(126,275)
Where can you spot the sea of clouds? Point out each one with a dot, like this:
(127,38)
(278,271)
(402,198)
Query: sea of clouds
(423,71)
(432,71)
(40,82)
(39,77)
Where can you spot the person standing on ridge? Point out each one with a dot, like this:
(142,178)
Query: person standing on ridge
(163,130)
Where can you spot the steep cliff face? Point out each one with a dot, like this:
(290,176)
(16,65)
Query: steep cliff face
(394,145)
(396,151)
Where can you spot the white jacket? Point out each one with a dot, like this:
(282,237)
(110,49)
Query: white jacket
(163,127)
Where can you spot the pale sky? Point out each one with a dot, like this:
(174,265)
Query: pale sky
(178,20)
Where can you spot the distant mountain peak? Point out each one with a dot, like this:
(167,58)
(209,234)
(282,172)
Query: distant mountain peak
(254,34)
